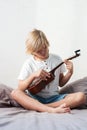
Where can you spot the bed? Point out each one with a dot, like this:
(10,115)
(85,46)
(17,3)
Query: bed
(15,117)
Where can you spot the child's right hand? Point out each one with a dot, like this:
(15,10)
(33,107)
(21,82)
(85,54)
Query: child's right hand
(42,74)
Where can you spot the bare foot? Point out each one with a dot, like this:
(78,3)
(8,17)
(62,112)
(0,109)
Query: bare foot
(62,109)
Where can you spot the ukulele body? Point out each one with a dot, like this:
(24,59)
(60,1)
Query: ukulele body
(37,86)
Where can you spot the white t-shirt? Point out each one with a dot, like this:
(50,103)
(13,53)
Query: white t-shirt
(32,65)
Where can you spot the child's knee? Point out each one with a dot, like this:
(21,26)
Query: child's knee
(81,97)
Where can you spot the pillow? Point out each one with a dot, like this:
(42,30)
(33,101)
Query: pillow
(5,97)
(79,85)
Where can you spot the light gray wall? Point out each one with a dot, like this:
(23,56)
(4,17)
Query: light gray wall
(17,17)
(63,21)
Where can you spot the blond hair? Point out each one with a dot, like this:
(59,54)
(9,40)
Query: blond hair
(35,41)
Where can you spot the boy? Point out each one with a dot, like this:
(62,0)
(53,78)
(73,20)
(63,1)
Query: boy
(38,65)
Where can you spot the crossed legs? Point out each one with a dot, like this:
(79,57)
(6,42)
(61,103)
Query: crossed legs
(32,104)
(62,106)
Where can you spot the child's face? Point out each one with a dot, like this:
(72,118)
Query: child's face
(42,54)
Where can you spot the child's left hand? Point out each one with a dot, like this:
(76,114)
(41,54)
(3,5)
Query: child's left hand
(69,66)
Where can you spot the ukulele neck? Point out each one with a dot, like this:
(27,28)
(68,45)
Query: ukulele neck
(70,58)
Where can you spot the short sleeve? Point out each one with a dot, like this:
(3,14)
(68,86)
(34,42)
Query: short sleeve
(25,71)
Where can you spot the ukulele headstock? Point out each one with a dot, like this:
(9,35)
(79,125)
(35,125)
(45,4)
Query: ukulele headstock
(77,52)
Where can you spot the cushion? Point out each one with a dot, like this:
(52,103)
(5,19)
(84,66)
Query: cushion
(79,85)
(5,97)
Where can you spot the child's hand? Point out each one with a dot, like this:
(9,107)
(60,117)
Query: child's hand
(42,74)
(69,66)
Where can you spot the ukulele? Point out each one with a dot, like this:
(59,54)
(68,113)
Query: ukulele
(38,84)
